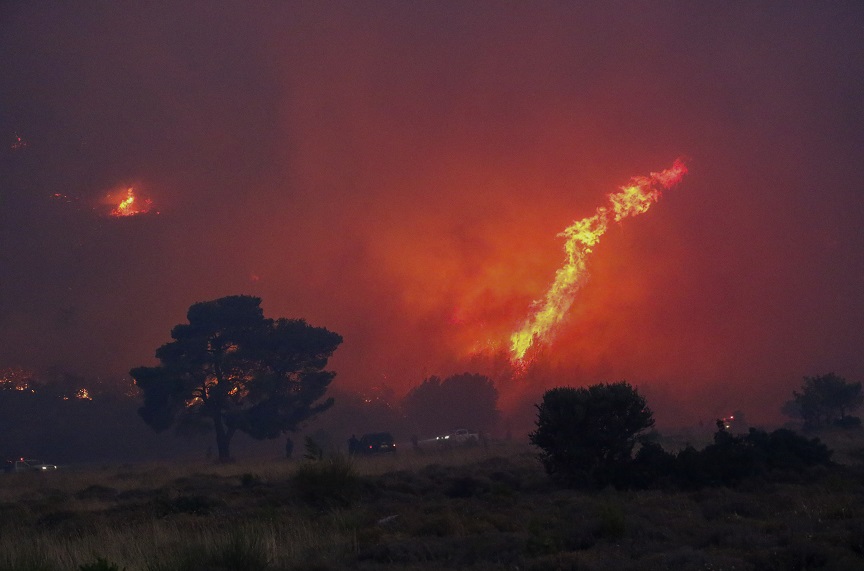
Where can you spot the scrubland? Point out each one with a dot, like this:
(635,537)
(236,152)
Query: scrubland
(489,507)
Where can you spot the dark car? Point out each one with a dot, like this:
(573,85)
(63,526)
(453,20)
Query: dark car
(376,443)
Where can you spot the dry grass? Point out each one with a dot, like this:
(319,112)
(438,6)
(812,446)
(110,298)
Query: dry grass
(479,508)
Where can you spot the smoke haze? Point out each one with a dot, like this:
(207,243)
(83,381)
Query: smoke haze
(398,171)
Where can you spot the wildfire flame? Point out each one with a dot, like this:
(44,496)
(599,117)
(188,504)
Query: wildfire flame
(16,378)
(632,199)
(131,205)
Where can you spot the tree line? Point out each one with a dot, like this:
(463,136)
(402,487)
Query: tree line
(237,371)
(231,370)
(587,437)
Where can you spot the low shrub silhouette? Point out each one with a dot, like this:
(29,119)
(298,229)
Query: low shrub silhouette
(848,422)
(195,504)
(730,460)
(101,564)
(248,480)
(785,449)
(328,482)
(586,435)
(652,466)
(314,451)
(241,550)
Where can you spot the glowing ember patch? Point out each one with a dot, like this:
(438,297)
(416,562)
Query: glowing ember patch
(19,143)
(63,197)
(83,394)
(17,379)
(131,205)
(634,198)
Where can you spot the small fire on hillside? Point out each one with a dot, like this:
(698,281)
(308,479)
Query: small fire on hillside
(19,144)
(129,204)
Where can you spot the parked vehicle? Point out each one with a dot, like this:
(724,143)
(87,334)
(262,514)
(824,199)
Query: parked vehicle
(28,465)
(460,436)
(376,443)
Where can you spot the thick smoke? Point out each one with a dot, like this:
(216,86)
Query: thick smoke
(397,173)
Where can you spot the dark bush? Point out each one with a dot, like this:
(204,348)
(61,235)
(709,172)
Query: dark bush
(787,450)
(586,435)
(97,492)
(466,487)
(848,422)
(100,564)
(196,505)
(250,480)
(651,467)
(732,459)
(728,460)
(242,552)
(329,482)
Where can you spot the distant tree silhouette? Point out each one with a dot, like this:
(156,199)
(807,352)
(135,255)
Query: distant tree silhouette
(587,434)
(239,370)
(825,400)
(461,401)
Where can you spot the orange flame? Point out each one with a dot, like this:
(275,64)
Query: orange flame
(131,206)
(633,199)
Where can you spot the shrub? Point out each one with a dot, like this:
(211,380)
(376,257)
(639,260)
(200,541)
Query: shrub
(101,564)
(30,562)
(466,487)
(97,492)
(248,480)
(786,450)
(731,459)
(196,505)
(333,481)
(586,435)
(651,466)
(611,522)
(240,550)
(313,450)
(848,422)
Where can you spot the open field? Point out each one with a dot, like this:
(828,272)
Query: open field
(478,508)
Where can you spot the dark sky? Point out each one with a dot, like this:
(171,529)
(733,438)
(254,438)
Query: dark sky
(398,172)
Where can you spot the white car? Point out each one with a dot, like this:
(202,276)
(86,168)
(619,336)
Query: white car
(456,438)
(28,465)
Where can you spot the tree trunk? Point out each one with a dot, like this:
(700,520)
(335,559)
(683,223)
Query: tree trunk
(223,438)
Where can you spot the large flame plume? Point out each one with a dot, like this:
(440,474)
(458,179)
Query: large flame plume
(632,199)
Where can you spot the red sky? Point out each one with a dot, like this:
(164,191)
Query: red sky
(398,172)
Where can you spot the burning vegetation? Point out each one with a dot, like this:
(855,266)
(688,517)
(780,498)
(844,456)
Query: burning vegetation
(130,205)
(19,144)
(67,387)
(632,199)
(16,379)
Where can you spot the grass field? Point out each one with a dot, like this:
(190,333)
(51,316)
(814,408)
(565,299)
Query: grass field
(477,508)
